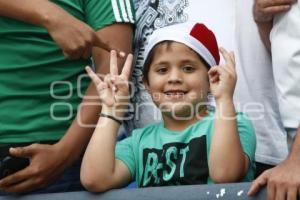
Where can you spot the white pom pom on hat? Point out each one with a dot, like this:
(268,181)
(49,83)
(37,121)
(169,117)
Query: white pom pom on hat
(195,35)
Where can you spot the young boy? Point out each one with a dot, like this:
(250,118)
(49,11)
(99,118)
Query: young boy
(191,145)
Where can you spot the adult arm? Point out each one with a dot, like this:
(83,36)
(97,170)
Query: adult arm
(74,37)
(283,181)
(100,170)
(49,161)
(264,29)
(263,13)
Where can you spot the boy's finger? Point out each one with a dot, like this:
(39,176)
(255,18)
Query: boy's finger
(96,80)
(213,70)
(233,58)
(109,79)
(106,98)
(123,87)
(229,61)
(226,55)
(113,63)
(231,65)
(126,71)
(216,70)
(215,73)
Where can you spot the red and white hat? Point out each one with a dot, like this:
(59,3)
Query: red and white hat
(195,35)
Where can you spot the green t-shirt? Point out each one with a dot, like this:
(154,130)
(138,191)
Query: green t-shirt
(156,156)
(39,89)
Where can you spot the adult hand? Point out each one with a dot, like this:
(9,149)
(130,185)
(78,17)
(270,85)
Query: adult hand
(114,90)
(74,37)
(47,163)
(283,181)
(223,78)
(264,10)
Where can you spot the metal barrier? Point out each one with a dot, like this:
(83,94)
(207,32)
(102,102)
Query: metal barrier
(236,191)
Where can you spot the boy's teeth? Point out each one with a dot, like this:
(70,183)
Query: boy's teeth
(175,93)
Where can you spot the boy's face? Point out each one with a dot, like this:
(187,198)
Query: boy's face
(177,80)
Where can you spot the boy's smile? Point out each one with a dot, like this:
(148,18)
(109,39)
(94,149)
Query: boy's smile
(177,80)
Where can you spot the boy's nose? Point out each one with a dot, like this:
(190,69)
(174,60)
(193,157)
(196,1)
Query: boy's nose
(175,77)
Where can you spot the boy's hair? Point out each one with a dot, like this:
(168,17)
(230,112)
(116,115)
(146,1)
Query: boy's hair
(194,35)
(150,56)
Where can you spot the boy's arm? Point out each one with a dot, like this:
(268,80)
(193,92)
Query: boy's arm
(227,162)
(284,179)
(263,13)
(100,170)
(73,36)
(49,161)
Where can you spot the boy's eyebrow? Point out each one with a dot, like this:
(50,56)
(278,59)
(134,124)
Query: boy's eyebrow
(188,61)
(181,61)
(160,63)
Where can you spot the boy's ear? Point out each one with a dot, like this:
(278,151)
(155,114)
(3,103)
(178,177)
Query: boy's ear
(208,84)
(145,82)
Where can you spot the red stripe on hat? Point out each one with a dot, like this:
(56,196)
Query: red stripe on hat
(201,33)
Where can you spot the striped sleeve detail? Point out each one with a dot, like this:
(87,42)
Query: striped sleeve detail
(116,10)
(122,10)
(129,9)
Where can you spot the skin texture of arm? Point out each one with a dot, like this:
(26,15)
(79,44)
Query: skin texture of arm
(264,29)
(74,37)
(98,175)
(227,162)
(283,181)
(49,161)
(30,11)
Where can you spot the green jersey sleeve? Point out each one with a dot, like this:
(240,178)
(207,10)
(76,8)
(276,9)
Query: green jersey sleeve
(124,152)
(100,13)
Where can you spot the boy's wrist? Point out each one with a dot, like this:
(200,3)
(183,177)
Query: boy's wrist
(112,111)
(224,100)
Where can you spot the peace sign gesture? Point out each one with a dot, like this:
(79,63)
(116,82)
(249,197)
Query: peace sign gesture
(113,90)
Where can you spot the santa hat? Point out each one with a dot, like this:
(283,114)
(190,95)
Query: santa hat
(195,35)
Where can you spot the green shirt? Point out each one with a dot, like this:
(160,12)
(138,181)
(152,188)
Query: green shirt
(39,89)
(156,156)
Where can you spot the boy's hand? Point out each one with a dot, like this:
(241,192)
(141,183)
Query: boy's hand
(223,78)
(114,89)
(264,10)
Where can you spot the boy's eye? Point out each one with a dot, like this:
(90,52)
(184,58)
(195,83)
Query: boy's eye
(188,68)
(162,70)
